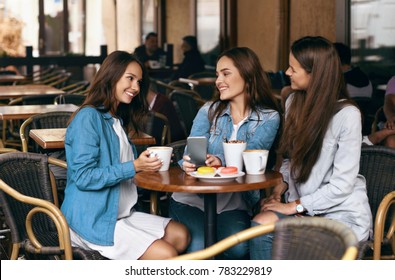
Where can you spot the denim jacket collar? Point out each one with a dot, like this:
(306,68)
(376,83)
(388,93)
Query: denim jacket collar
(252,116)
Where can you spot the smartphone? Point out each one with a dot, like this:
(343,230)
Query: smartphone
(197,149)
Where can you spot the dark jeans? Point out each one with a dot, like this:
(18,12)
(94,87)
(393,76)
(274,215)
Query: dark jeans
(228,223)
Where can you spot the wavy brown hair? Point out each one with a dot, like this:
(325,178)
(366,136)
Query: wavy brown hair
(259,94)
(101,94)
(312,109)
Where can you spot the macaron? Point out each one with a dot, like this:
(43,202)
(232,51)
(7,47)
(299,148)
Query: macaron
(229,170)
(205,170)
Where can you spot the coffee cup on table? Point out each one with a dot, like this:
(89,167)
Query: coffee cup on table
(162,152)
(233,152)
(255,161)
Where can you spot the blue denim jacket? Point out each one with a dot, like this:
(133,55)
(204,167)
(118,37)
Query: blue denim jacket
(94,173)
(259,133)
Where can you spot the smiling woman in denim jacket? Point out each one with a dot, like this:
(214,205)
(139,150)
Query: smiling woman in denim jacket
(100,195)
(246,110)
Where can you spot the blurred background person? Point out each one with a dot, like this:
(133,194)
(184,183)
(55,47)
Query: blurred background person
(193,61)
(358,83)
(149,50)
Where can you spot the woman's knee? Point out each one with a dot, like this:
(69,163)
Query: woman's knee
(177,235)
(159,250)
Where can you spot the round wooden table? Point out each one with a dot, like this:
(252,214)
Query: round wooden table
(176,180)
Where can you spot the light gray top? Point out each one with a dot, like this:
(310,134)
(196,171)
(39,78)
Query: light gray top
(334,189)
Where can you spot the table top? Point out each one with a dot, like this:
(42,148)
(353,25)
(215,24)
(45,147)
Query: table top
(141,138)
(53,138)
(16,91)
(176,180)
(20,112)
(12,78)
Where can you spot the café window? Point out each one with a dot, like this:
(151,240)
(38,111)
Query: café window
(18,26)
(62,27)
(147,17)
(372,38)
(51,27)
(208,29)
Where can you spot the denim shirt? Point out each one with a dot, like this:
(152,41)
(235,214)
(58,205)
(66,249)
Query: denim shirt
(94,173)
(258,131)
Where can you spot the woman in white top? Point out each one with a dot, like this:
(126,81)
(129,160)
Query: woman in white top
(321,147)
(100,194)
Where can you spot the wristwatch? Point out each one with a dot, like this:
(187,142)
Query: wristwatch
(299,206)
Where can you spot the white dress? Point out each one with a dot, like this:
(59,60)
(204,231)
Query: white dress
(134,231)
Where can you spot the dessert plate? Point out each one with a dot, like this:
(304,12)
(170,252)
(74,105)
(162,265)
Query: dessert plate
(216,177)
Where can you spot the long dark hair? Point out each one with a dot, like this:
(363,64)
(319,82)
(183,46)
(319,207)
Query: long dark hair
(312,109)
(101,94)
(259,94)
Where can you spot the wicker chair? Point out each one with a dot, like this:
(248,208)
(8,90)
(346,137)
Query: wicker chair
(4,229)
(71,98)
(178,151)
(46,120)
(377,165)
(158,126)
(187,105)
(28,199)
(206,91)
(11,127)
(76,87)
(309,238)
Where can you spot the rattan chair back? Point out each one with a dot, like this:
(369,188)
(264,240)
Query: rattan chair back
(187,105)
(308,238)
(313,238)
(178,150)
(158,126)
(377,165)
(72,98)
(28,198)
(40,121)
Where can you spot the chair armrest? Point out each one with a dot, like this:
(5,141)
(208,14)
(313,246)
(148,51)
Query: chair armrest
(227,243)
(58,162)
(379,223)
(8,150)
(62,164)
(52,211)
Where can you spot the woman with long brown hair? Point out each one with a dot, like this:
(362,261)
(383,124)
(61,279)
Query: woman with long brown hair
(100,195)
(320,144)
(245,110)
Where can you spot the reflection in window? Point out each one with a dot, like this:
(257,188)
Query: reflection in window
(147,17)
(76,27)
(53,12)
(18,26)
(373,37)
(208,29)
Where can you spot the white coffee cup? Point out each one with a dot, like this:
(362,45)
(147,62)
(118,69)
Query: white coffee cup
(255,161)
(164,153)
(233,152)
